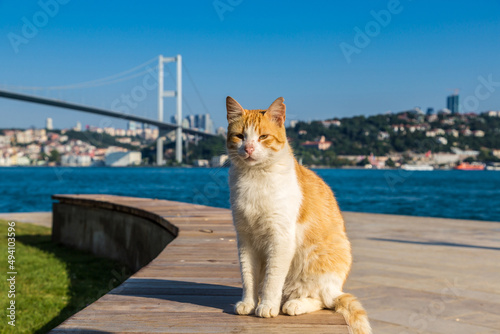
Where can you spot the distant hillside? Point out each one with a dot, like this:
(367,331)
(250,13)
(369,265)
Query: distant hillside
(396,133)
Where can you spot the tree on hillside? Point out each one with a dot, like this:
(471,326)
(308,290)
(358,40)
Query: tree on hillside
(55,156)
(364,162)
(206,148)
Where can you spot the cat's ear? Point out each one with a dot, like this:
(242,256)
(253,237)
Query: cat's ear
(234,109)
(277,111)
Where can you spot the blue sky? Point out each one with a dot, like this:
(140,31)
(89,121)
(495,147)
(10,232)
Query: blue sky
(255,51)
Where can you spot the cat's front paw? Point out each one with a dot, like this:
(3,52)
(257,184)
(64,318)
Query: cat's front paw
(293,307)
(244,308)
(266,310)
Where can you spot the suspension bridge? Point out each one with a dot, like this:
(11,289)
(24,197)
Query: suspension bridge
(163,127)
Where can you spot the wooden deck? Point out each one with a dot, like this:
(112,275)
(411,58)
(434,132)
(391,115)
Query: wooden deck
(191,287)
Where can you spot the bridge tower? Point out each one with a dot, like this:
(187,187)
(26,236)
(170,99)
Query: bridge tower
(169,93)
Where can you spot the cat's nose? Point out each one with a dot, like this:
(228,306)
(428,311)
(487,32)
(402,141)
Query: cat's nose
(249,149)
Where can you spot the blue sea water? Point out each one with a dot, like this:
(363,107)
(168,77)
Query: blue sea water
(448,194)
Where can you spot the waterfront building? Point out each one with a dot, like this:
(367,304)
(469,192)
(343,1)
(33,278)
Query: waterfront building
(48,124)
(321,144)
(132,126)
(123,159)
(218,161)
(201,163)
(492,113)
(24,137)
(452,103)
(4,141)
(83,160)
(444,111)
(202,122)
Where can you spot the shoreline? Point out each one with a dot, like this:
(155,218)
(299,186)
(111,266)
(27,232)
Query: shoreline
(310,167)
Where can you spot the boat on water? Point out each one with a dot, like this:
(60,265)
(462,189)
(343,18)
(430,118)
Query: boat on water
(417,167)
(493,166)
(470,166)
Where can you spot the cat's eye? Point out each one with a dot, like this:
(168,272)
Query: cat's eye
(240,135)
(263,137)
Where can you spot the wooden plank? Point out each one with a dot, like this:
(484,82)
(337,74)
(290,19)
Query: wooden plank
(206,318)
(193,284)
(196,327)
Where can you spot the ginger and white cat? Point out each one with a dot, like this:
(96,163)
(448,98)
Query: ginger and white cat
(293,249)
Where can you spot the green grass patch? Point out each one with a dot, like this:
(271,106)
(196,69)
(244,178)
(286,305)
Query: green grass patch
(53,281)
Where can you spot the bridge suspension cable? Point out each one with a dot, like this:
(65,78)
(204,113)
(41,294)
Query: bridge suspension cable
(195,88)
(118,77)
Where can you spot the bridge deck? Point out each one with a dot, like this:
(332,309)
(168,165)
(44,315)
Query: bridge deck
(191,286)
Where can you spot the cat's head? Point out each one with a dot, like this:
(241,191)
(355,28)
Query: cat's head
(255,137)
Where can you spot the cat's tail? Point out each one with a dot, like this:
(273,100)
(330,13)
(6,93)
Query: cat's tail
(353,312)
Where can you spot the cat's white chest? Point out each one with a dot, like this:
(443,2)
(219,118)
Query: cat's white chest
(261,198)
